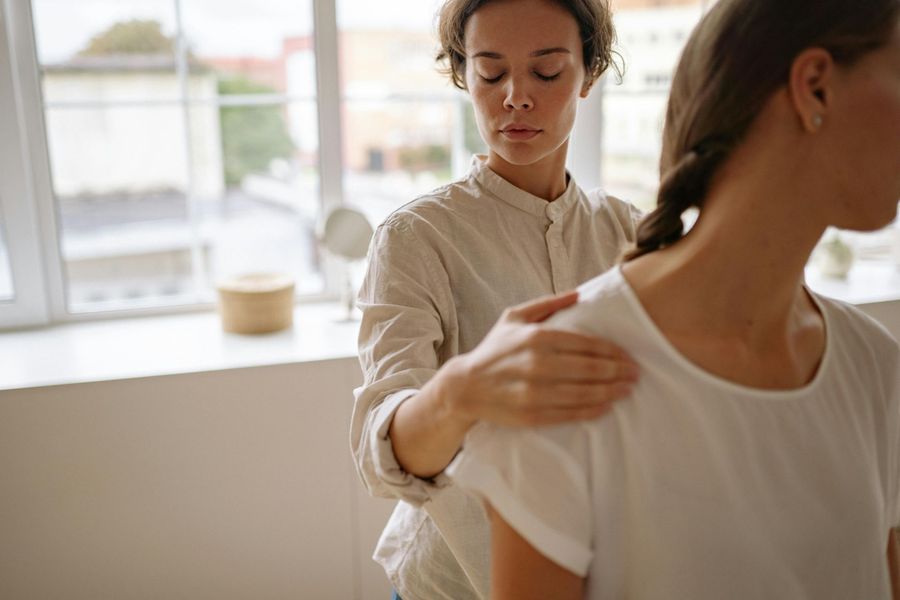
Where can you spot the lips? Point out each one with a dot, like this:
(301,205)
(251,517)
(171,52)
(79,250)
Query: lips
(519,132)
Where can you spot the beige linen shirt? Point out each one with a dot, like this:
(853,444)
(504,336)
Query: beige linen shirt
(441,270)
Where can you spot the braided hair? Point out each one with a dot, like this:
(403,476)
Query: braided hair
(736,58)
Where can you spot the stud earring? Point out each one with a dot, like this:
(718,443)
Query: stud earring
(817,121)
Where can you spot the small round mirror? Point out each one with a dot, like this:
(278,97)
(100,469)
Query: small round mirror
(346,233)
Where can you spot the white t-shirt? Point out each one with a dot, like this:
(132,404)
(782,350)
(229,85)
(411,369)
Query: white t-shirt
(701,488)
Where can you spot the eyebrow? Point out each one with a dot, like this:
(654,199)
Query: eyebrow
(542,52)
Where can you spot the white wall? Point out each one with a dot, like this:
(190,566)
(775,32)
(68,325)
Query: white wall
(233,484)
(224,485)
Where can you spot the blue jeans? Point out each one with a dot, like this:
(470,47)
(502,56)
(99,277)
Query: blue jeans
(395,596)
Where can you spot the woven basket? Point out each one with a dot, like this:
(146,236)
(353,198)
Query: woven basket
(257,303)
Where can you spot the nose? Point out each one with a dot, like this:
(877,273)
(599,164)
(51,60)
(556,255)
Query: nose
(517,96)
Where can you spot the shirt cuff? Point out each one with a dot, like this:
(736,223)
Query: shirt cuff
(387,468)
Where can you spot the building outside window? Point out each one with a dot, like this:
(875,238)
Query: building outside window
(182,142)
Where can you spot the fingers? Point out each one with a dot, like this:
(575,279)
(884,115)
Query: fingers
(540,309)
(585,369)
(530,404)
(561,355)
(575,402)
(550,415)
(559,341)
(568,395)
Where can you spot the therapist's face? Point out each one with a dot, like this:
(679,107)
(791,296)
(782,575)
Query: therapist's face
(525,73)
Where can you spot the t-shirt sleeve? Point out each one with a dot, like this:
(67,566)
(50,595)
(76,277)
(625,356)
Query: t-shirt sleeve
(538,481)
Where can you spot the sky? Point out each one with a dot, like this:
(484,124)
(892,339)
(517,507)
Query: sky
(215,27)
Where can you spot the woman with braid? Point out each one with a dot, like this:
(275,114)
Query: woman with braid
(759,456)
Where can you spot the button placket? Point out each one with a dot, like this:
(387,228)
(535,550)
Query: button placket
(559,259)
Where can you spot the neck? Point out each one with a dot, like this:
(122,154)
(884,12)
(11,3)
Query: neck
(739,272)
(545,178)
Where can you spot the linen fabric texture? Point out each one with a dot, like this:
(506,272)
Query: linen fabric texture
(441,271)
(697,487)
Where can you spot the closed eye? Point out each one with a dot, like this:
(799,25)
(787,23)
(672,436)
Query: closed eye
(540,76)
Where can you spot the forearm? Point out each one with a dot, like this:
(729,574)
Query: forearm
(426,432)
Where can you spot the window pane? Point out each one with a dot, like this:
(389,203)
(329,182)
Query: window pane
(7,293)
(406,129)
(260,203)
(169,179)
(399,149)
(106,50)
(253,47)
(120,181)
(651,36)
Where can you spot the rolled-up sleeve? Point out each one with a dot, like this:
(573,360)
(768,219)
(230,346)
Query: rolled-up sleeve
(406,306)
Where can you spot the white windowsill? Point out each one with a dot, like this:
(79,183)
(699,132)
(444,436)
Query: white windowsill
(868,282)
(166,345)
(194,342)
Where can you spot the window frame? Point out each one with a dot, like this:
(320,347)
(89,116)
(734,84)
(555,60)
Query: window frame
(26,190)
(29,241)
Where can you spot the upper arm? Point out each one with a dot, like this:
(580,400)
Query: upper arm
(404,308)
(520,572)
(404,300)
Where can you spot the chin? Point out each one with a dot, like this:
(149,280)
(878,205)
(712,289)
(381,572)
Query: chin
(523,154)
(521,161)
(871,222)
(521,157)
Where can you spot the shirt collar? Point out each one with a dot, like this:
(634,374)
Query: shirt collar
(519,198)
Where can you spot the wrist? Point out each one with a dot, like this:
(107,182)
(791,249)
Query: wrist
(452,395)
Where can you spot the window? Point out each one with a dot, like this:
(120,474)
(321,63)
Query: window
(6,286)
(183,145)
(651,36)
(157,146)
(407,130)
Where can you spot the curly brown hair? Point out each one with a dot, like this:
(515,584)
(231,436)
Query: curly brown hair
(594,23)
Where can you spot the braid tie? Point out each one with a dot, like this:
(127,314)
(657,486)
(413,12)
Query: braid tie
(684,185)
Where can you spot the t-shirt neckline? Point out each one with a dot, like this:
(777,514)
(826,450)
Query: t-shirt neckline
(721,382)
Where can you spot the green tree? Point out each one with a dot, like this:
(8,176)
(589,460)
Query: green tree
(130,37)
(251,135)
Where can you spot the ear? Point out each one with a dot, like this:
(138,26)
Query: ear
(811,87)
(586,88)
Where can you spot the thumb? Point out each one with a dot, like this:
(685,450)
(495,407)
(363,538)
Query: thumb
(542,308)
